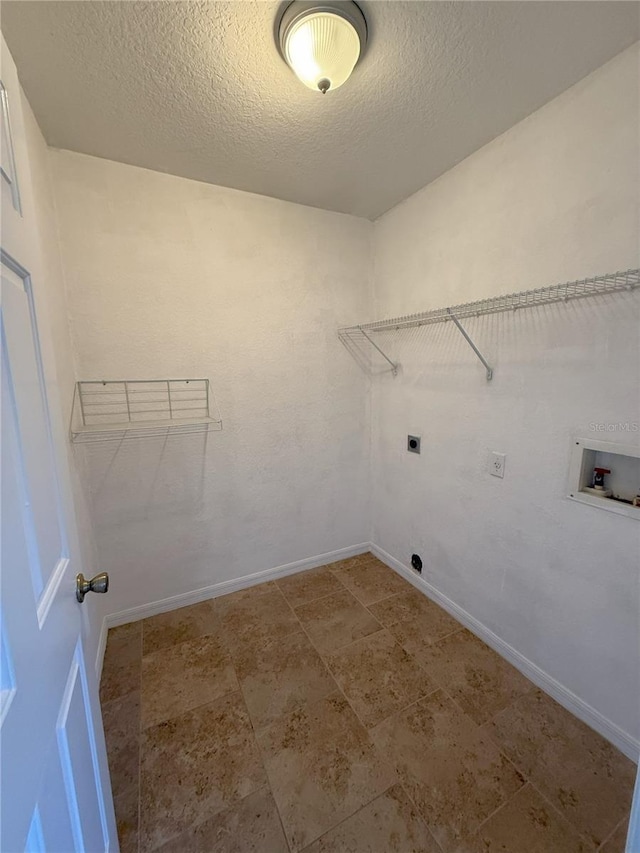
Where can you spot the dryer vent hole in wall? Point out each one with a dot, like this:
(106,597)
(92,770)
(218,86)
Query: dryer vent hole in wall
(416,563)
(413,443)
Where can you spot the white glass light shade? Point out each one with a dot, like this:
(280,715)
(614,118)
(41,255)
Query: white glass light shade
(322,49)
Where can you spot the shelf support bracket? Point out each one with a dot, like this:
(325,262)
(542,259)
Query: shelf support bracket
(394,366)
(464,334)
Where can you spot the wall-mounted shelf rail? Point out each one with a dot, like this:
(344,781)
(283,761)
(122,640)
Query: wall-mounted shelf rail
(107,410)
(595,286)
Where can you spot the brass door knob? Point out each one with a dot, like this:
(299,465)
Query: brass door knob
(100,583)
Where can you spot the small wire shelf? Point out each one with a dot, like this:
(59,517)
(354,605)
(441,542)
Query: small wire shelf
(108,410)
(595,286)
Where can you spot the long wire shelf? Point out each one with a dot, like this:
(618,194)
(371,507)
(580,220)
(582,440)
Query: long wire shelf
(108,410)
(565,292)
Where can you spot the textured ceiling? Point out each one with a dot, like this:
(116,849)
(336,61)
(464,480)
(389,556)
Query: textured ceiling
(198,89)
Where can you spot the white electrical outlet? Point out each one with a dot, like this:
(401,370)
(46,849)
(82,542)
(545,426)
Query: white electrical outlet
(496,464)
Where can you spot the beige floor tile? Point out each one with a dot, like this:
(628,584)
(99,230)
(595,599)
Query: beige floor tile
(249,593)
(390,824)
(617,841)
(322,768)
(178,678)
(449,767)
(417,633)
(177,626)
(251,826)
(125,803)
(378,677)
(414,619)
(372,581)
(405,605)
(583,775)
(198,779)
(307,586)
(283,675)
(480,681)
(121,721)
(251,618)
(195,766)
(122,662)
(336,620)
(130,631)
(358,560)
(527,824)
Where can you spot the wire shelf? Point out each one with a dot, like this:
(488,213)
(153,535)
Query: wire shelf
(510,302)
(595,286)
(110,410)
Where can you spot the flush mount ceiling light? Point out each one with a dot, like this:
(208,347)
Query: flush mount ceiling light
(322,41)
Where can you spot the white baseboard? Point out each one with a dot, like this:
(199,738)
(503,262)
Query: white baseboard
(102,645)
(133,614)
(613,733)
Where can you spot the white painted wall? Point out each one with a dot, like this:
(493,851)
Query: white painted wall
(168,277)
(555,198)
(51,307)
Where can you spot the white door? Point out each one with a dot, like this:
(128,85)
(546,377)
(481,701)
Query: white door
(55,783)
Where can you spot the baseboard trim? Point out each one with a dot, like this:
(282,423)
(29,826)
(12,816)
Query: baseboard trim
(102,646)
(143,611)
(565,697)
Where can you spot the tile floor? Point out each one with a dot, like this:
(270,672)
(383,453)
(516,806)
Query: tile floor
(340,710)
